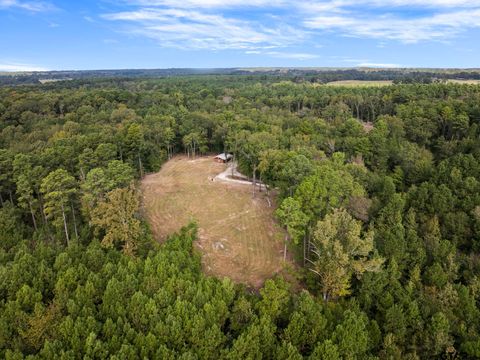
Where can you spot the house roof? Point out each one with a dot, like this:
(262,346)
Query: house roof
(224,156)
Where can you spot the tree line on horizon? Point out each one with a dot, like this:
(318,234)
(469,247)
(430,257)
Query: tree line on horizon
(316,75)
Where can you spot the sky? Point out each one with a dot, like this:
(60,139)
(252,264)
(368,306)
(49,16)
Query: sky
(141,34)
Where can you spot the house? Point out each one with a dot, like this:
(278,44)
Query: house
(223,157)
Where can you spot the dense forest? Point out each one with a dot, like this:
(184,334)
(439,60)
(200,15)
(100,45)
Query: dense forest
(378,189)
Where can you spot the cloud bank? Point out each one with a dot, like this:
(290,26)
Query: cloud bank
(7,66)
(31,6)
(227,25)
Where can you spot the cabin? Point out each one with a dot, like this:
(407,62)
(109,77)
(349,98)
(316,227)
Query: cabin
(223,157)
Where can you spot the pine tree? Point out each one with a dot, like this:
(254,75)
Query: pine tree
(58,188)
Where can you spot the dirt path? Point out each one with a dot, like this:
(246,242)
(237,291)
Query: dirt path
(236,179)
(238,237)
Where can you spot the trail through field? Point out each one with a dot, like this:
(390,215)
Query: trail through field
(238,237)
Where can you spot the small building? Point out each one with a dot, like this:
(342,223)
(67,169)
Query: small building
(223,157)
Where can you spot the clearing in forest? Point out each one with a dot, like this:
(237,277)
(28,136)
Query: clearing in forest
(360,83)
(238,236)
(464,81)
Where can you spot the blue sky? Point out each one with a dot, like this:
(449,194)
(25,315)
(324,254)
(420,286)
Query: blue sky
(108,34)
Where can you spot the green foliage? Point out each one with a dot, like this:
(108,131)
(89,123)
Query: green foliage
(116,216)
(341,251)
(57,188)
(390,232)
(326,350)
(402,160)
(275,300)
(12,230)
(329,188)
(351,336)
(292,218)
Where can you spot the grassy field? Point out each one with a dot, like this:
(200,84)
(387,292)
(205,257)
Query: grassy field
(467,81)
(238,237)
(359,83)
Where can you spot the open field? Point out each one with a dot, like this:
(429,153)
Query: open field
(466,81)
(238,237)
(358,83)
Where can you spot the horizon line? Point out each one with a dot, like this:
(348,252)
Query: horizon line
(247,68)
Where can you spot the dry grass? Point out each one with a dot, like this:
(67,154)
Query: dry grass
(238,237)
(359,83)
(467,82)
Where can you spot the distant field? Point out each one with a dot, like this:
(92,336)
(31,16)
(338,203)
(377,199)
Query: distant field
(238,237)
(358,83)
(470,82)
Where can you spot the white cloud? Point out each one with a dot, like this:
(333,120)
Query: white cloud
(342,5)
(322,5)
(212,25)
(208,4)
(32,6)
(424,3)
(283,54)
(199,30)
(439,26)
(14,67)
(378,65)
(290,55)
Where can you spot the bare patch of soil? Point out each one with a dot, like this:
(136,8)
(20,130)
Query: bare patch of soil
(238,236)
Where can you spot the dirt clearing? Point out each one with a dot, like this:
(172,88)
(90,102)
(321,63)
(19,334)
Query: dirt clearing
(238,237)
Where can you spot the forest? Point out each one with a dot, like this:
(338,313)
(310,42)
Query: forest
(378,190)
(319,75)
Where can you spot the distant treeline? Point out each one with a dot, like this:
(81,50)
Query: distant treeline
(311,74)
